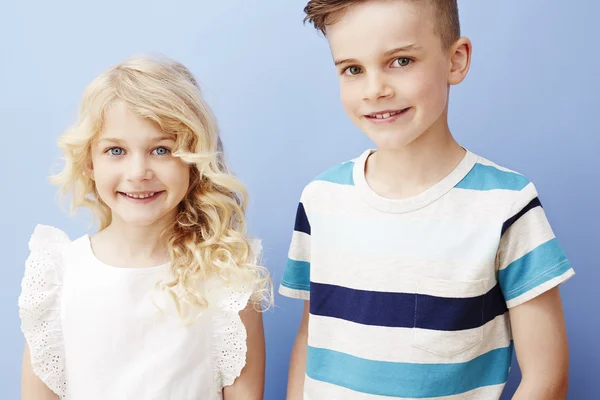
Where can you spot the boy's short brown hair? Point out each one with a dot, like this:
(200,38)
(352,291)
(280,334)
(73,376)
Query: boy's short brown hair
(324,12)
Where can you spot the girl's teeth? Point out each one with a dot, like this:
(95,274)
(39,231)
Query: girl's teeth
(140,196)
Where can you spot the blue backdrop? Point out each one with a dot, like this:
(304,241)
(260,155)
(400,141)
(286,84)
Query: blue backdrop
(530,103)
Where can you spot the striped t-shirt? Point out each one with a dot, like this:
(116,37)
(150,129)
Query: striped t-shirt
(409,298)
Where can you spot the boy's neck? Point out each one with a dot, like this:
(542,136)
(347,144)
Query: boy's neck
(123,245)
(409,171)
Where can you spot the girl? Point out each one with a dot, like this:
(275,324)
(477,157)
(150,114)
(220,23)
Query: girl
(164,301)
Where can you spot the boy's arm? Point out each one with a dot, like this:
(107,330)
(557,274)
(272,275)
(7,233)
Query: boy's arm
(531,266)
(298,359)
(541,345)
(250,384)
(32,387)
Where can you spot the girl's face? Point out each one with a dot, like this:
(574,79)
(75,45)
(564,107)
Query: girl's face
(134,171)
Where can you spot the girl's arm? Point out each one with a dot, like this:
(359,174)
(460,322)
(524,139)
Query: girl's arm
(297,371)
(250,384)
(32,387)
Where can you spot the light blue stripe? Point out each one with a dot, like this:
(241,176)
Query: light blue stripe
(296,275)
(545,262)
(407,379)
(341,174)
(487,177)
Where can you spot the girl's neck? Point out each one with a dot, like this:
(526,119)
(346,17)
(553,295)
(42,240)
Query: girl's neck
(123,245)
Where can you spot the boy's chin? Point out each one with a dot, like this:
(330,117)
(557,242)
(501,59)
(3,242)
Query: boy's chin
(392,141)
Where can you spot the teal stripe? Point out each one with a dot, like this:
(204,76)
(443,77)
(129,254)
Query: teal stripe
(545,262)
(406,379)
(341,174)
(296,275)
(487,177)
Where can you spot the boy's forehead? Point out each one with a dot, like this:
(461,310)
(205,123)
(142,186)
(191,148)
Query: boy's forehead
(379,26)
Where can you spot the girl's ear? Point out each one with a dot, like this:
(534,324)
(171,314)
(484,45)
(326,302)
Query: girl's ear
(88,169)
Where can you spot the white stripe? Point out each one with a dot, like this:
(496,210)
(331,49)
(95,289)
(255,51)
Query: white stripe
(484,161)
(317,390)
(401,274)
(527,233)
(538,290)
(294,293)
(399,344)
(300,247)
(459,205)
(391,238)
(523,198)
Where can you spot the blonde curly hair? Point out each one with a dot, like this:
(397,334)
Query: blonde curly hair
(208,237)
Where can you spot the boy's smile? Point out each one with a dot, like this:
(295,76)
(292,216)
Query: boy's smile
(394,71)
(387,116)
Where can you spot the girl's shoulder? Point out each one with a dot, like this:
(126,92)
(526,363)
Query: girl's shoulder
(39,305)
(229,333)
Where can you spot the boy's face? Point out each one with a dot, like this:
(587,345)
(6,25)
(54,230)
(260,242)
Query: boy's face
(392,68)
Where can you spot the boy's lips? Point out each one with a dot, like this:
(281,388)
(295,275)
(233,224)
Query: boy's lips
(386,115)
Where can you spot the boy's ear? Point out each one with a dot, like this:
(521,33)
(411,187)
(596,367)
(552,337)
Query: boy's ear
(460,60)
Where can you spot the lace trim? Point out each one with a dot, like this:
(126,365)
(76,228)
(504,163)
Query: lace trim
(229,332)
(39,307)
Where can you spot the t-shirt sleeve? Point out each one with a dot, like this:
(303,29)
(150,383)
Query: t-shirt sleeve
(530,259)
(296,275)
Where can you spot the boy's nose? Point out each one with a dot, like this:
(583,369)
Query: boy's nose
(377,87)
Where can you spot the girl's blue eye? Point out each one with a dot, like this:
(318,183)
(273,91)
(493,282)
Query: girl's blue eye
(115,151)
(162,151)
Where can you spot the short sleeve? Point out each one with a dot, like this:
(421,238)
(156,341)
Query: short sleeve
(530,259)
(39,306)
(229,333)
(296,274)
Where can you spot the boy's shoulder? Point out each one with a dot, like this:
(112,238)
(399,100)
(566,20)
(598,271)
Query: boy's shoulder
(339,176)
(489,175)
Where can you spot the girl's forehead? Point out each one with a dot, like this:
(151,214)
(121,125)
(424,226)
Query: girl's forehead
(123,124)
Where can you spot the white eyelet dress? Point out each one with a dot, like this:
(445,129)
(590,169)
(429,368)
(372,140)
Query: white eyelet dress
(101,332)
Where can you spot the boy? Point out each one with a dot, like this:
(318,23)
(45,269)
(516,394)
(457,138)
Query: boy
(417,258)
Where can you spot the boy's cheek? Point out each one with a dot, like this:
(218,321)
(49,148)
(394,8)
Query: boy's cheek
(350,97)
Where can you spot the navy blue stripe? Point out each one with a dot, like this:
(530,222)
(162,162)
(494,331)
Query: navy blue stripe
(406,310)
(509,222)
(302,224)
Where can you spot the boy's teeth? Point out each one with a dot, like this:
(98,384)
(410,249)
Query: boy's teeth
(386,115)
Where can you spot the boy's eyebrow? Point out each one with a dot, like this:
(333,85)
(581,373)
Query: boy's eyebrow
(386,54)
(402,49)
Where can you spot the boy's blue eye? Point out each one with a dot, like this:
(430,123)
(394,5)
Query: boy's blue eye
(162,151)
(115,151)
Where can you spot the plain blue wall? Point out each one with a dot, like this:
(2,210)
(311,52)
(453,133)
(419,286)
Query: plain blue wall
(530,102)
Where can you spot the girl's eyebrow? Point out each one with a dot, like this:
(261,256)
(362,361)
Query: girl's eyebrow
(119,141)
